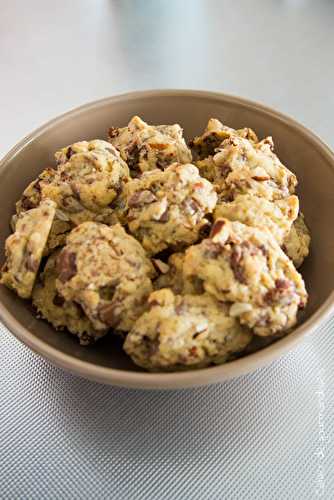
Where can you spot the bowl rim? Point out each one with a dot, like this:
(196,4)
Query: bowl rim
(184,379)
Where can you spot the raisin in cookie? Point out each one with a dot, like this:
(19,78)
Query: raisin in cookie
(247,267)
(107,272)
(242,167)
(60,313)
(297,243)
(277,217)
(167,208)
(184,332)
(25,247)
(214,134)
(147,147)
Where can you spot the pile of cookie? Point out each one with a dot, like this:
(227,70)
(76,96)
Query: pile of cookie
(191,251)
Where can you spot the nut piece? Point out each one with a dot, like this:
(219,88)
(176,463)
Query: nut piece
(161,266)
(146,147)
(184,332)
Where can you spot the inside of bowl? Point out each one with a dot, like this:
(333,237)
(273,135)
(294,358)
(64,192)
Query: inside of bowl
(298,150)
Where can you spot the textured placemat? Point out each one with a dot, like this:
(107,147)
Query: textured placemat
(266,435)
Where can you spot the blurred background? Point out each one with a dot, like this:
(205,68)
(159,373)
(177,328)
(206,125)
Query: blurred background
(57,55)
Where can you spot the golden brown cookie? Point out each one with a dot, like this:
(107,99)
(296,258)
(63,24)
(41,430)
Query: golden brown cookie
(24,248)
(297,243)
(214,134)
(168,208)
(107,273)
(184,331)
(56,310)
(246,266)
(240,166)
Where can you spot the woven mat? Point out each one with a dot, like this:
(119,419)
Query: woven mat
(265,435)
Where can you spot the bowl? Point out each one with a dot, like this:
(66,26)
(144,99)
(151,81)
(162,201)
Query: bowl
(302,152)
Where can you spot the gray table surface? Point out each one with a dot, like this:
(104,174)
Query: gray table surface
(266,435)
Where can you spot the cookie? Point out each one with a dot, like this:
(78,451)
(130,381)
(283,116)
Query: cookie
(107,273)
(146,147)
(89,178)
(246,267)
(297,243)
(87,181)
(214,134)
(187,331)
(31,198)
(24,248)
(167,208)
(60,313)
(241,167)
(277,217)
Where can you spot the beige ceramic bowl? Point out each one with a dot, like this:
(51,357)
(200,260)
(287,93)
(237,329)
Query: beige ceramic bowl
(298,148)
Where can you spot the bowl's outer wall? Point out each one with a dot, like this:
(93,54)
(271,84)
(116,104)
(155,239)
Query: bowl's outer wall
(300,151)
